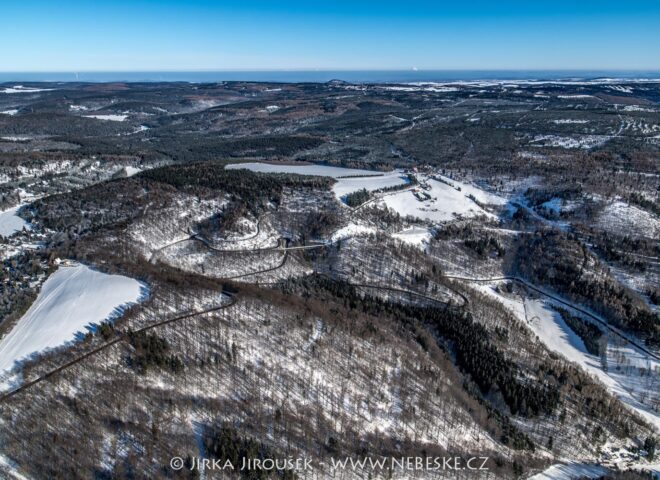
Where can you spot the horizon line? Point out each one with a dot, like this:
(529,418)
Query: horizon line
(340,69)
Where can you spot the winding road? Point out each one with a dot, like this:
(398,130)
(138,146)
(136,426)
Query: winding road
(283,246)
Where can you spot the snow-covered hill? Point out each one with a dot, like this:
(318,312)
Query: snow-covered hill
(72,299)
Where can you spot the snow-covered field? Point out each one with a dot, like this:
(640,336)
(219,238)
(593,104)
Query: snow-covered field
(112,118)
(629,386)
(72,299)
(16,138)
(621,88)
(478,193)
(637,108)
(352,230)
(344,186)
(416,236)
(442,202)
(419,87)
(12,111)
(22,89)
(11,223)
(348,179)
(575,96)
(320,170)
(140,129)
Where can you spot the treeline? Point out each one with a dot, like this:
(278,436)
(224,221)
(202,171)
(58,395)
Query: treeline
(357,198)
(483,244)
(499,379)
(629,251)
(383,214)
(222,221)
(623,248)
(538,196)
(279,146)
(118,202)
(62,125)
(255,189)
(318,224)
(487,365)
(591,335)
(92,208)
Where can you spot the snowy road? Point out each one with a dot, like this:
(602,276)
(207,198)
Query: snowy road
(25,386)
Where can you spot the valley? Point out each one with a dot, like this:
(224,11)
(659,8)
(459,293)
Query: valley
(329,270)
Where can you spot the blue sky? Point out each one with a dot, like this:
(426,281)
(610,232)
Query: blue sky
(93,35)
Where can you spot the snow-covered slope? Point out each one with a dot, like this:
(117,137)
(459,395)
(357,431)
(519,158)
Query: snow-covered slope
(628,384)
(130,171)
(348,179)
(320,170)
(352,230)
(442,200)
(22,89)
(571,471)
(629,219)
(11,223)
(111,118)
(71,299)
(416,236)
(481,195)
(344,186)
